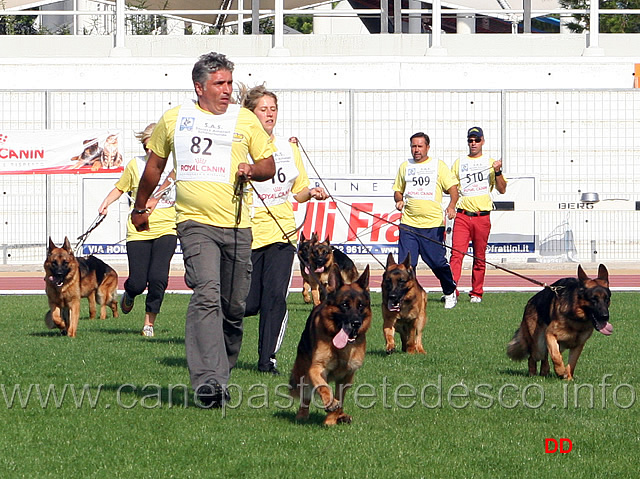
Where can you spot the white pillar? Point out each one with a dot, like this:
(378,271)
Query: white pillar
(565,18)
(278,49)
(119,50)
(240,18)
(593,48)
(415,19)
(436,30)
(465,23)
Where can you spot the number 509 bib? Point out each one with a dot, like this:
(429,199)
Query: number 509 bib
(421,179)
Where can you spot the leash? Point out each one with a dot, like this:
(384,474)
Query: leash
(287,236)
(83,237)
(339,210)
(531,280)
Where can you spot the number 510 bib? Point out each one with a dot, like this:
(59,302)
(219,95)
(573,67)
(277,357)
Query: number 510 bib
(474,177)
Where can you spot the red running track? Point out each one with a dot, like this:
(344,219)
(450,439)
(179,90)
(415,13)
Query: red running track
(495,281)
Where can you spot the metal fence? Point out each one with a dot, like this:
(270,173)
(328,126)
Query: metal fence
(570,142)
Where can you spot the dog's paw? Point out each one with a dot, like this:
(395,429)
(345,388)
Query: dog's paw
(416,350)
(391,350)
(303,414)
(332,406)
(344,419)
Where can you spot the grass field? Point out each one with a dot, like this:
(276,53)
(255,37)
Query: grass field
(463,410)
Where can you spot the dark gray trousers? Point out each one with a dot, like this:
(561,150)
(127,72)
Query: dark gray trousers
(218,268)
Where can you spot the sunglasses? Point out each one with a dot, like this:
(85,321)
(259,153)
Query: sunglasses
(474,140)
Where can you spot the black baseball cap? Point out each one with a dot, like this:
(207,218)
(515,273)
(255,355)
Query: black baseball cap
(475,131)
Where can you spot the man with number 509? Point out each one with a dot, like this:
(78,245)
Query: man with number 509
(418,189)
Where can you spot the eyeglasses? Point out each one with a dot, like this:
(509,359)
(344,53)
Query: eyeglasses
(474,140)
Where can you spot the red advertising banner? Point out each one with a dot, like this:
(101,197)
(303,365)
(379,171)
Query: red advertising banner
(60,151)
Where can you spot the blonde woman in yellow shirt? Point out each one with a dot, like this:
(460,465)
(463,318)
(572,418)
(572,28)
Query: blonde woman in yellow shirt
(271,253)
(149,252)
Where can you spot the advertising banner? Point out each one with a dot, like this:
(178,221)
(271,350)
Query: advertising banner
(360,219)
(60,151)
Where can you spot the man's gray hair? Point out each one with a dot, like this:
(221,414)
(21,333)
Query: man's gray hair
(209,63)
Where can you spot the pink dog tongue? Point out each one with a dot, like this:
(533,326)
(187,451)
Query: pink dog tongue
(607,330)
(320,270)
(340,340)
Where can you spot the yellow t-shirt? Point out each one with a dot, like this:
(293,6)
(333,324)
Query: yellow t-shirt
(161,222)
(264,229)
(480,202)
(421,213)
(214,203)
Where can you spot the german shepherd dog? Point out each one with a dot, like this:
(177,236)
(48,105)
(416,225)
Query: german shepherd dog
(332,346)
(562,316)
(68,279)
(404,306)
(316,258)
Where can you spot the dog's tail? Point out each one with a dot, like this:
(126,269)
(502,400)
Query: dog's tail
(517,348)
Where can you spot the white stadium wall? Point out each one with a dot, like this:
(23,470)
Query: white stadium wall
(564,122)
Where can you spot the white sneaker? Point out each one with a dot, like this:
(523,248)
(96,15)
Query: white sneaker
(147,331)
(475,299)
(450,300)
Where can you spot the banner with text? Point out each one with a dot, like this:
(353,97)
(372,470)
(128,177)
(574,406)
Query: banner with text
(60,151)
(361,218)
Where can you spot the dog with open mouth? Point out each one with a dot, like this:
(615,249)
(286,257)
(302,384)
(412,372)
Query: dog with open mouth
(332,346)
(316,259)
(69,279)
(562,316)
(404,306)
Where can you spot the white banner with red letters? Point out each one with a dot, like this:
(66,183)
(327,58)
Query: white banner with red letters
(360,218)
(60,151)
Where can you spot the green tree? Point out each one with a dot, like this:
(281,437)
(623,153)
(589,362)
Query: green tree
(17,25)
(301,23)
(608,23)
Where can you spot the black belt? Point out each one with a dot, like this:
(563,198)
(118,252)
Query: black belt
(474,213)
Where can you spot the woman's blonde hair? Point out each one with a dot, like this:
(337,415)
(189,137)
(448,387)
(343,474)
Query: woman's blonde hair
(249,97)
(145,134)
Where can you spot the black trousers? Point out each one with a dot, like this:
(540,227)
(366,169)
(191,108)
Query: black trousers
(270,281)
(149,263)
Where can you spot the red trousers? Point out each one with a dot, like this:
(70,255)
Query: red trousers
(474,229)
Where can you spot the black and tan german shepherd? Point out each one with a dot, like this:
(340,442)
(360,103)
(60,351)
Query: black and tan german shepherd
(562,316)
(316,258)
(68,279)
(404,306)
(332,346)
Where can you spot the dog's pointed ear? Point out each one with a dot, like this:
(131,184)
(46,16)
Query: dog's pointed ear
(302,238)
(582,276)
(363,280)
(390,260)
(326,241)
(407,260)
(335,281)
(51,245)
(603,274)
(66,245)
(314,237)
